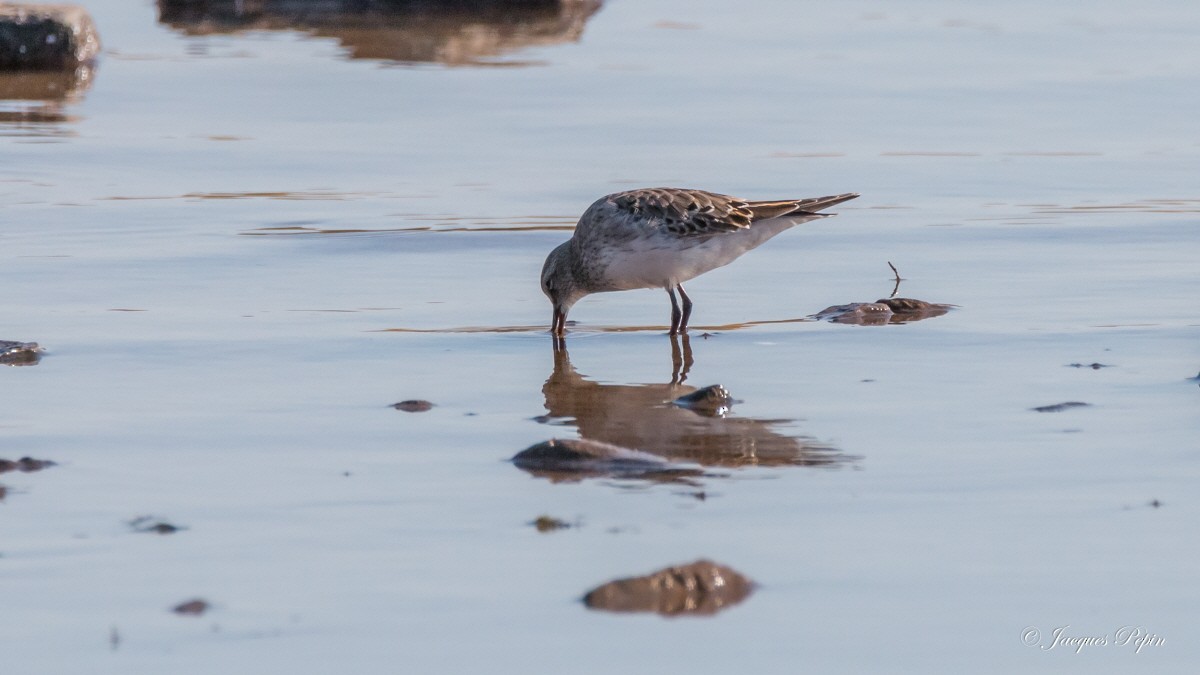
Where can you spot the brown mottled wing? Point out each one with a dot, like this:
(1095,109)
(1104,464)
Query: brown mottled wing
(685,212)
(696,213)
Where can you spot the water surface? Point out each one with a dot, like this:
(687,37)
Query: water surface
(241,241)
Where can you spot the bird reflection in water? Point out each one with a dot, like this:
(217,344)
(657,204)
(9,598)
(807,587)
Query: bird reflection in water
(643,417)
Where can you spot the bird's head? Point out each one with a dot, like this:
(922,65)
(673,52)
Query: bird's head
(560,285)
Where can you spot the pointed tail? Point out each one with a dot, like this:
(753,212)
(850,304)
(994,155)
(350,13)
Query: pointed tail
(798,207)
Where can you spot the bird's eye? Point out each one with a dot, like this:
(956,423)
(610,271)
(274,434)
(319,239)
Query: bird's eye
(550,286)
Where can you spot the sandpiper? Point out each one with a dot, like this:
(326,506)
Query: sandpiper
(660,238)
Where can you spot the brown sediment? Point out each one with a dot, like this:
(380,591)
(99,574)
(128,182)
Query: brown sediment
(1059,407)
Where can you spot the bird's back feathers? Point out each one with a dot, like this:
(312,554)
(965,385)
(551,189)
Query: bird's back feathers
(688,213)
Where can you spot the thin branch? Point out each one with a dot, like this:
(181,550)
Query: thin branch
(896,288)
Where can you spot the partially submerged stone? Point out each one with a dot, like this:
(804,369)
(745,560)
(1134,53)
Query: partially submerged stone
(25,465)
(46,37)
(713,400)
(882,312)
(19,353)
(698,589)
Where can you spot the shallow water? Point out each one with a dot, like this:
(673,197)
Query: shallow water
(240,248)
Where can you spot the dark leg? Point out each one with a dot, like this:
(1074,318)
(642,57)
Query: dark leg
(687,309)
(675,314)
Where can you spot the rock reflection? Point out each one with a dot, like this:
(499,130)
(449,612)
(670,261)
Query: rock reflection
(571,460)
(644,417)
(36,103)
(451,32)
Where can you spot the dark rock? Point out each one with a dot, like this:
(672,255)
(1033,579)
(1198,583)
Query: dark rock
(713,400)
(698,589)
(413,406)
(1093,366)
(25,465)
(1059,407)
(46,37)
(191,607)
(19,353)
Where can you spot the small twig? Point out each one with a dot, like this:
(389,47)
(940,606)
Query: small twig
(896,288)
